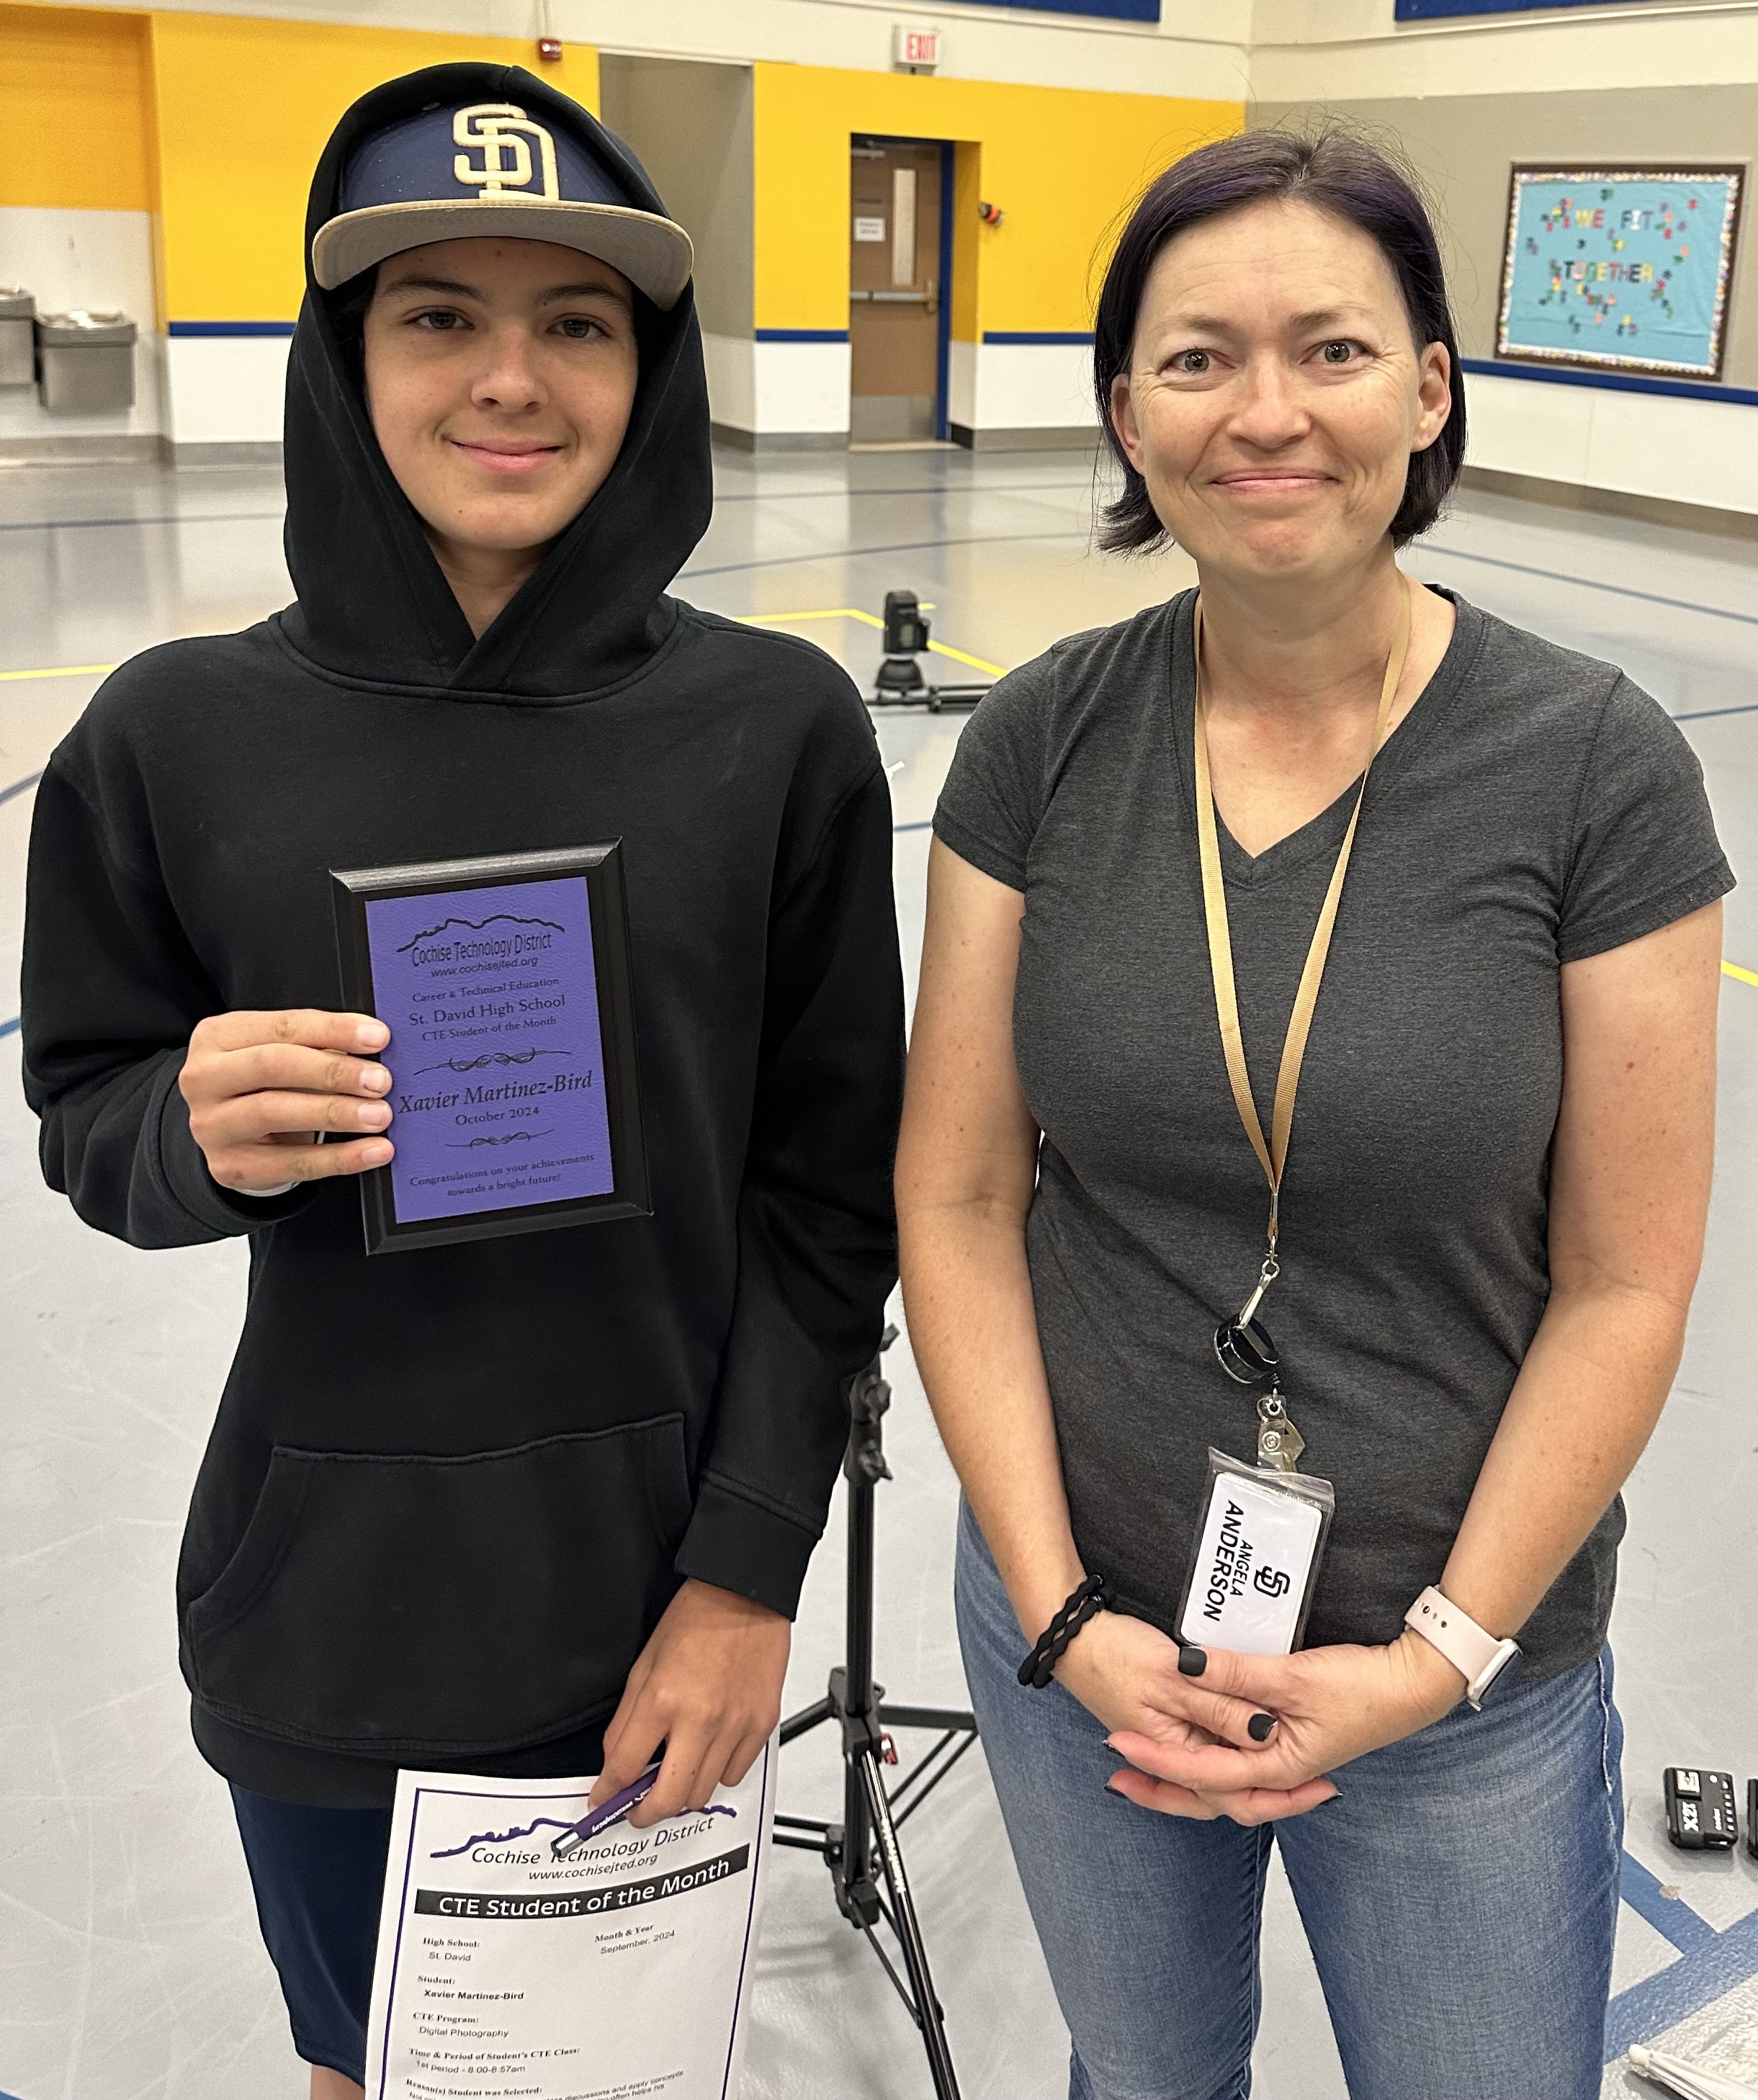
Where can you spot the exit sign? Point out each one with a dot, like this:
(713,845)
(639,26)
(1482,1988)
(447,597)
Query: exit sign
(918,49)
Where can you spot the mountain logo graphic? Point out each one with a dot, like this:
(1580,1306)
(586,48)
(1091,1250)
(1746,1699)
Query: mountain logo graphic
(573,1834)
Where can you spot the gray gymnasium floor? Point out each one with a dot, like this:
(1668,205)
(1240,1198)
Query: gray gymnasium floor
(130,1965)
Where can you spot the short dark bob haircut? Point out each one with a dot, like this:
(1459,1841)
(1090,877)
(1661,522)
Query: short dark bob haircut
(1336,172)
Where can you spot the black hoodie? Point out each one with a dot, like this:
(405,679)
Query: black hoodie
(449,1491)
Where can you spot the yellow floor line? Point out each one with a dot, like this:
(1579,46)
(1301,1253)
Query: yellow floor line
(65,671)
(867,619)
(1745,976)
(976,662)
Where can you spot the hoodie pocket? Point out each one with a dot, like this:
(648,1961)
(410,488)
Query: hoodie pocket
(392,1605)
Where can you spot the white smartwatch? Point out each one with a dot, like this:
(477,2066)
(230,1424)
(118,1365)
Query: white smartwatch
(1489,1666)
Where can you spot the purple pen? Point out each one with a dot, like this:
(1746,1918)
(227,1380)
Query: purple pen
(601,1817)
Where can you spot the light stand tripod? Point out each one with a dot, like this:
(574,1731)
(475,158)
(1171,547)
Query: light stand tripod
(864,1844)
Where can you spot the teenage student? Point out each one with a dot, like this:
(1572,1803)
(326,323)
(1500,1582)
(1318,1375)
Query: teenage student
(1461,1136)
(519,1505)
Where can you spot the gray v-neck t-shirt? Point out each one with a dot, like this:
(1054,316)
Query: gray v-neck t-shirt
(1534,808)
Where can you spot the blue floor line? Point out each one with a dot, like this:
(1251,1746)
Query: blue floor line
(1586,583)
(1711,714)
(1696,1978)
(1671,1916)
(87,524)
(860,553)
(846,494)
(755,496)
(19,787)
(11,1027)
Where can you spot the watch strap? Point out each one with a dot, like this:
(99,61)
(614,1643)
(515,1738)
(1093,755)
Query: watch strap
(1478,1656)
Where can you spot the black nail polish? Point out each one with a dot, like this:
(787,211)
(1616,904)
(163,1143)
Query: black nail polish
(1259,1725)
(1192,1661)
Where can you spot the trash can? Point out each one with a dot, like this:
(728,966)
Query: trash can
(85,360)
(18,357)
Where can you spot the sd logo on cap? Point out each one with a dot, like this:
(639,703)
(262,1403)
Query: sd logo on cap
(487,169)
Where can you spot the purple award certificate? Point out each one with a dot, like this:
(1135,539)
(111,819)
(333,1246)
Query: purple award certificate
(505,986)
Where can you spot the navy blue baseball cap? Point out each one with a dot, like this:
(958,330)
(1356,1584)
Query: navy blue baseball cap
(471,170)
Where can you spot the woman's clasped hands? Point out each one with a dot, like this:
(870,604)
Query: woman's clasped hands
(1208,1732)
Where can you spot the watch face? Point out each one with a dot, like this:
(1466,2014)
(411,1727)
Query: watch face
(1503,1680)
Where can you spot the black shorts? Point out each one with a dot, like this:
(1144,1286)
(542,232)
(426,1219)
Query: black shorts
(319,1874)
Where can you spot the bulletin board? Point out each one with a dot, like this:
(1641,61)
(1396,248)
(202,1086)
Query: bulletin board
(1620,269)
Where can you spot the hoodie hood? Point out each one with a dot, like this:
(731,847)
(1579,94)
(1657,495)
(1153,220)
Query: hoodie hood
(372,603)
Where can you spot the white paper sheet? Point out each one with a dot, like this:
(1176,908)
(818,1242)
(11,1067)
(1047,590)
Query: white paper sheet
(616,1969)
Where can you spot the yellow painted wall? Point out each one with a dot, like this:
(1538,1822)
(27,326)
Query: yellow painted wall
(1062,162)
(243,107)
(73,109)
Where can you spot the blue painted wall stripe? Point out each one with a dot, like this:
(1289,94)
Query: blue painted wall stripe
(228,328)
(1425,10)
(1084,336)
(801,335)
(1115,10)
(1619,383)
(9,1028)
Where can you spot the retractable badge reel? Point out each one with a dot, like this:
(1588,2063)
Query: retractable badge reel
(1264,1527)
(1245,1351)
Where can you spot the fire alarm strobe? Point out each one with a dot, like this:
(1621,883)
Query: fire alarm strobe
(1700,1813)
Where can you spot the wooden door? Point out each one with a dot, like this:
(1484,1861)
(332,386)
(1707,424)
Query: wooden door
(894,291)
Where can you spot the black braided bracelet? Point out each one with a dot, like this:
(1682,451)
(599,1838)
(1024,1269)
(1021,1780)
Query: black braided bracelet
(1093,1597)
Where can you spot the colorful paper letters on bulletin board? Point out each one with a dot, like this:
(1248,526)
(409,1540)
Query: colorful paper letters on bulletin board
(1624,269)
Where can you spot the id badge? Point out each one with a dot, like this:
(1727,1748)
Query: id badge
(1258,1548)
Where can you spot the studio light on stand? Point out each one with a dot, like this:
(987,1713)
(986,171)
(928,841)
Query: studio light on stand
(862,1850)
(900,681)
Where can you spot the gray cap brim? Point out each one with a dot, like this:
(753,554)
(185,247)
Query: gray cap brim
(653,253)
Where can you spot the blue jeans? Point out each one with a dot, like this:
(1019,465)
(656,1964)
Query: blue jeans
(1459,1898)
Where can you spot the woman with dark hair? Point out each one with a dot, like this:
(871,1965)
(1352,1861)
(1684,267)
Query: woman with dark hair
(1317,956)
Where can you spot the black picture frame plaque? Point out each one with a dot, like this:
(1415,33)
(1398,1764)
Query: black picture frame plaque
(515,1096)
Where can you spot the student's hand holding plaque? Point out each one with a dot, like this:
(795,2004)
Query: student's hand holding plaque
(264,1090)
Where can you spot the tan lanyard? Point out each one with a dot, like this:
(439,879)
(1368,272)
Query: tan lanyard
(1273,1156)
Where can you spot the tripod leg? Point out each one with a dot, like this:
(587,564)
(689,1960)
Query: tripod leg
(908,1929)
